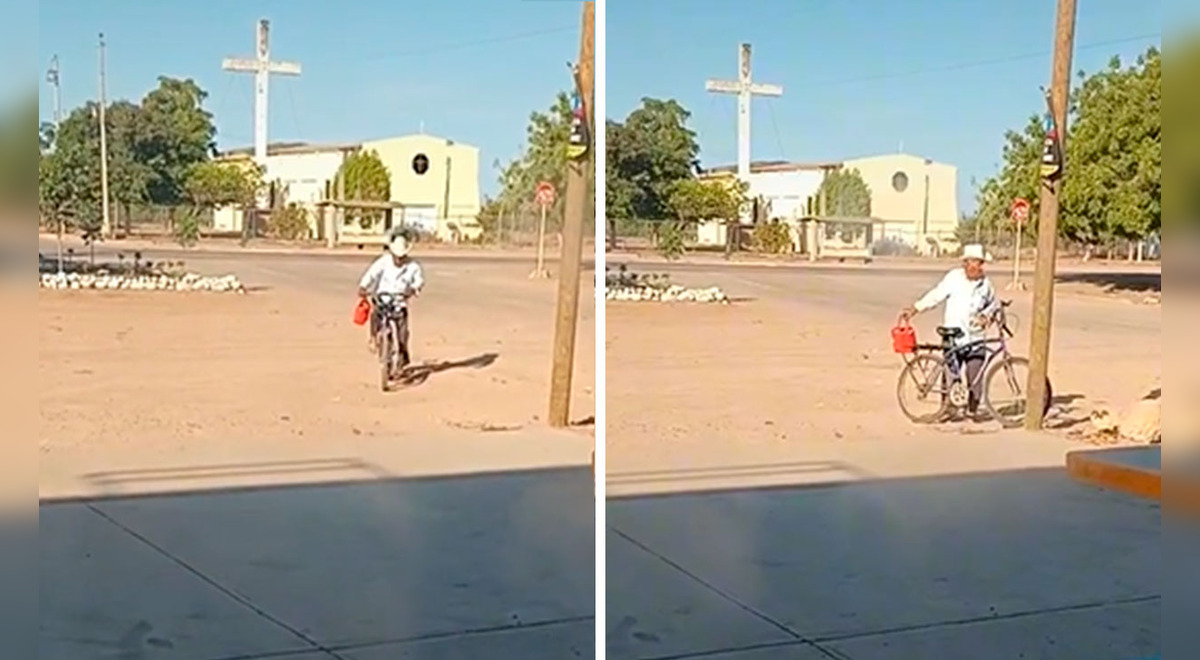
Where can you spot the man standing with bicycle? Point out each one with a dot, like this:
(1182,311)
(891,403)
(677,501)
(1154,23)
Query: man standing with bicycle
(970,302)
(395,273)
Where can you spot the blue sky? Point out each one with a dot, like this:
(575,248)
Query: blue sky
(471,70)
(943,78)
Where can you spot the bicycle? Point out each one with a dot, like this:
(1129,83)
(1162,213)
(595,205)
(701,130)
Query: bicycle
(941,380)
(391,336)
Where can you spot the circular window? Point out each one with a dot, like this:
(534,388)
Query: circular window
(420,163)
(900,182)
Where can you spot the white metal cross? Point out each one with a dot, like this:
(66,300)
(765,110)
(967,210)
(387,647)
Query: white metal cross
(262,67)
(745,89)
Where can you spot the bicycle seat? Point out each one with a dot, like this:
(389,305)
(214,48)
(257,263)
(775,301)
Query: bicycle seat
(949,333)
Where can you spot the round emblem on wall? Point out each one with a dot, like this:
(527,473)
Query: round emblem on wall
(900,182)
(420,163)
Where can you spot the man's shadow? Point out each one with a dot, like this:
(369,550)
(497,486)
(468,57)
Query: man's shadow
(415,374)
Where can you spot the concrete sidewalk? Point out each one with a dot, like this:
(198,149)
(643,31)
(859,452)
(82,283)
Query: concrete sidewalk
(363,551)
(979,548)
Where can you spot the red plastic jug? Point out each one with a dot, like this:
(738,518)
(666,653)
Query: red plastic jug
(904,338)
(362,312)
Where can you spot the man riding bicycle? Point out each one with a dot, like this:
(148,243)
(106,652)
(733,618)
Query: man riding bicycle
(395,273)
(970,303)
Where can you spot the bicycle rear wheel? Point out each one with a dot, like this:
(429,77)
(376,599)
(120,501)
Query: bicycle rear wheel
(922,390)
(1005,394)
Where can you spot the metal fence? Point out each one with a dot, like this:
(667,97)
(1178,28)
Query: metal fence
(519,228)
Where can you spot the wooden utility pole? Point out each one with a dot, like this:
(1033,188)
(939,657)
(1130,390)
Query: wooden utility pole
(1051,187)
(567,314)
(106,220)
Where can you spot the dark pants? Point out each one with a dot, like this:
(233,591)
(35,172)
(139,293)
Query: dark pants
(973,362)
(401,328)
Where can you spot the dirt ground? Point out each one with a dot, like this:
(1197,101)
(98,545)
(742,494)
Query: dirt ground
(150,372)
(803,357)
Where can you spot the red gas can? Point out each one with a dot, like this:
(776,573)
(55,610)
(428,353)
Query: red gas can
(362,312)
(904,338)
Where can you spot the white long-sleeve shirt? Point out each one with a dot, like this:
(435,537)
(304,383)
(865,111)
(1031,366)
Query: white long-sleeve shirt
(384,276)
(965,301)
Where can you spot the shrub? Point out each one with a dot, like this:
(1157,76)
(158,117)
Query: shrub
(291,223)
(773,238)
(187,227)
(672,240)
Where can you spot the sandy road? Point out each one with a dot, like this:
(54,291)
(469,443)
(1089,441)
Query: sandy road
(803,357)
(144,372)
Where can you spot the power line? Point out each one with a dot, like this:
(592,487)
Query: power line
(295,112)
(775,126)
(980,63)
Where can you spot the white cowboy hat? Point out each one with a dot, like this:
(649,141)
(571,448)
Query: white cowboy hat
(976,252)
(399,246)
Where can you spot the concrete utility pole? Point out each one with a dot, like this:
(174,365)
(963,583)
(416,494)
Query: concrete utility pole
(1043,282)
(106,223)
(53,77)
(567,314)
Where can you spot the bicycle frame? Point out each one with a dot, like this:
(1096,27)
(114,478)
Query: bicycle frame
(390,315)
(954,357)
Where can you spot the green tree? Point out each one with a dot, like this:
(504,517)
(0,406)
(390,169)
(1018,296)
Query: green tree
(544,158)
(619,192)
(846,194)
(366,179)
(128,174)
(174,133)
(69,180)
(694,200)
(1112,188)
(647,155)
(214,184)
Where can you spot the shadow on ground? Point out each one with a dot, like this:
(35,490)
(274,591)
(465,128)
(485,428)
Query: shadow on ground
(419,373)
(1022,564)
(489,565)
(1134,282)
(1068,411)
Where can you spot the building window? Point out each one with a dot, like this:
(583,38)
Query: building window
(900,182)
(420,164)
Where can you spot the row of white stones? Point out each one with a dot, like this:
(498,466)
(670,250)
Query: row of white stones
(187,282)
(674,293)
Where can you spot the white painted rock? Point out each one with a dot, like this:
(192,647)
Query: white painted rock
(1142,422)
(102,280)
(673,293)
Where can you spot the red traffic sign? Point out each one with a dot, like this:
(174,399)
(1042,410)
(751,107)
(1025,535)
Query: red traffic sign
(1020,210)
(544,195)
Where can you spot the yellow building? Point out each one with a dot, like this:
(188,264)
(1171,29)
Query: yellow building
(914,200)
(435,185)
(436,181)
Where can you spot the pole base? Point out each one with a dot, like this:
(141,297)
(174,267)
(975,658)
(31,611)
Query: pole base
(539,275)
(1017,285)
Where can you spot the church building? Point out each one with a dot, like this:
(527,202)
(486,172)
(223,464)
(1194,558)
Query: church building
(914,200)
(435,185)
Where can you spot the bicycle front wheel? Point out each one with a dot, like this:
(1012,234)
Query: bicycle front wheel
(1006,395)
(923,390)
(387,346)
